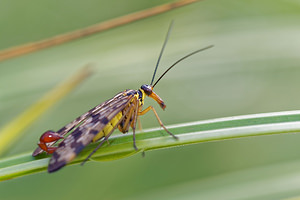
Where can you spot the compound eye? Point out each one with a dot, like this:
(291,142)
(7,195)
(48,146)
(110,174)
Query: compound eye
(147,89)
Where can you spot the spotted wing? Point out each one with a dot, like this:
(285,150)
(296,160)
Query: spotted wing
(70,126)
(73,144)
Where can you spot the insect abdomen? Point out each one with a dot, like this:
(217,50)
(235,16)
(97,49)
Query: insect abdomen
(109,127)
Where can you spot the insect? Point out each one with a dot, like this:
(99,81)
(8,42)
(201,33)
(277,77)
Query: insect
(121,111)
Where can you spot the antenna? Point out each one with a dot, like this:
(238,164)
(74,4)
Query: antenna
(181,59)
(162,50)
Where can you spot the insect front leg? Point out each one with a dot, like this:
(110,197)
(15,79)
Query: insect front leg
(158,119)
(47,137)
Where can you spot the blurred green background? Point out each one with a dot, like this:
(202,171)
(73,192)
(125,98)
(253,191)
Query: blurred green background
(253,68)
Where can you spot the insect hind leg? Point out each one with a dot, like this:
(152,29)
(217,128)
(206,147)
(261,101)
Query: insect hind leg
(158,119)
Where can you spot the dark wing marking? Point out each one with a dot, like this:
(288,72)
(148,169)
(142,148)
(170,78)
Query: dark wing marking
(70,126)
(127,111)
(70,147)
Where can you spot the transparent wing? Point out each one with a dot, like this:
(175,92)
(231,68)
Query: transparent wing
(82,135)
(70,126)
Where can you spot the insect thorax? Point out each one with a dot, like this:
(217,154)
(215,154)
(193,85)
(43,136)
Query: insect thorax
(141,96)
(138,94)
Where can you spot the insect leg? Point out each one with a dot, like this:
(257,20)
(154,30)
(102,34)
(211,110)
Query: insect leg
(158,119)
(134,122)
(107,141)
(139,124)
(105,138)
(127,119)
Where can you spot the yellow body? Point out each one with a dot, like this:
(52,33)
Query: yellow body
(109,127)
(116,120)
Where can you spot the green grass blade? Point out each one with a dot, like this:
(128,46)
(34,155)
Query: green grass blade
(189,133)
(10,133)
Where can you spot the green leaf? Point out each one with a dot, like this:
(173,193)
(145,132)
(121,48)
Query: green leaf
(190,133)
